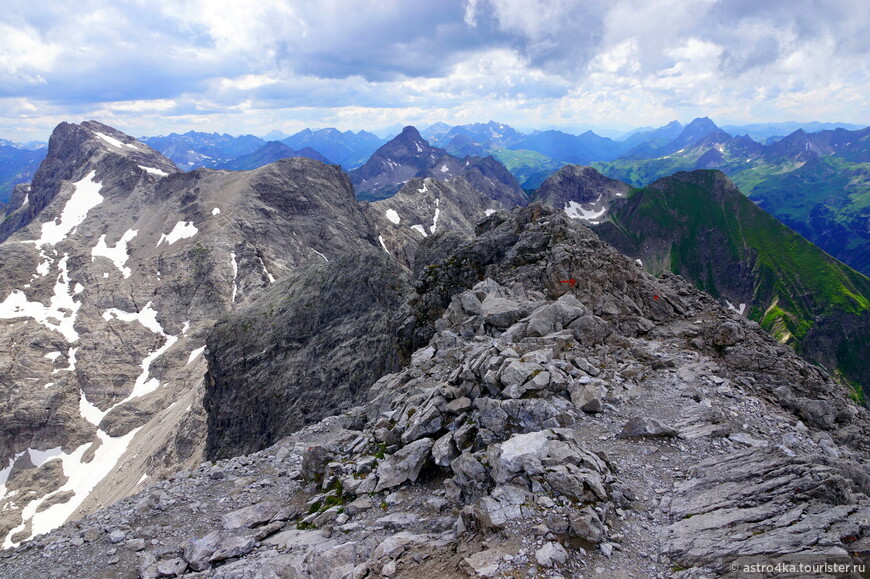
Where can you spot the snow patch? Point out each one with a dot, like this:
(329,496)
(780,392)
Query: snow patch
(71,358)
(40,457)
(117,254)
(393,216)
(89,411)
(235,276)
(45,266)
(194,355)
(435,218)
(59,315)
(114,142)
(489,212)
(153,171)
(266,271)
(82,478)
(86,196)
(739,309)
(575,211)
(419,228)
(216,211)
(52,356)
(384,245)
(182,230)
(444,169)
(419,148)
(148,318)
(318,253)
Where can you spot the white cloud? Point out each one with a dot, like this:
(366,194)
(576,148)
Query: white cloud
(255,65)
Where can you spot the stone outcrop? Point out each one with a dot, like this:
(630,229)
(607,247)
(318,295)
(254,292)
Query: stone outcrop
(312,344)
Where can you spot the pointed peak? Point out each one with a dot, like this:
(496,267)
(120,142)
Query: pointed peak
(702,122)
(410,131)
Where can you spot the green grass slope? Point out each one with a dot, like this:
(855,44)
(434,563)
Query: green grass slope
(826,200)
(529,167)
(817,184)
(700,226)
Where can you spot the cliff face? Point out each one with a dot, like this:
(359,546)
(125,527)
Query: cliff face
(109,289)
(309,347)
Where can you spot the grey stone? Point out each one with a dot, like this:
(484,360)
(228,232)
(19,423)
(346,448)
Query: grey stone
(173,567)
(506,503)
(485,563)
(649,427)
(470,477)
(404,465)
(232,547)
(727,334)
(314,461)
(744,438)
(587,525)
(251,516)
(551,555)
(424,423)
(460,405)
(444,450)
(587,397)
(198,551)
(501,312)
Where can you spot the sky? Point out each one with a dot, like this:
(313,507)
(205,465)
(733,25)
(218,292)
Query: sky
(150,67)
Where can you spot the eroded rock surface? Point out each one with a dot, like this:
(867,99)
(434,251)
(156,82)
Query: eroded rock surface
(475,460)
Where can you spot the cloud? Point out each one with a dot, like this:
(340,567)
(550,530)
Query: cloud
(526,61)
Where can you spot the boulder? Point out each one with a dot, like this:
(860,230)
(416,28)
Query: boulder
(551,554)
(232,547)
(587,525)
(505,504)
(314,461)
(444,450)
(650,427)
(251,516)
(198,551)
(587,397)
(404,465)
(501,312)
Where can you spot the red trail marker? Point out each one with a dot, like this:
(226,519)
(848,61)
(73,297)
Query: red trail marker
(571,282)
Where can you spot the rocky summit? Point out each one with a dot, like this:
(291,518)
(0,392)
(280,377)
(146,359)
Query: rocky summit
(558,412)
(116,268)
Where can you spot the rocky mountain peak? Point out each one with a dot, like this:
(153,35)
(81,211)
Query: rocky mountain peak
(76,150)
(105,297)
(408,155)
(691,133)
(582,192)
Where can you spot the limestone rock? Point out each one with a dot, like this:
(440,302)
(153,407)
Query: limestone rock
(640,426)
(551,555)
(404,465)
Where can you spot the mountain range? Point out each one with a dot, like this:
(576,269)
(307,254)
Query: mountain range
(409,155)
(294,369)
(816,183)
